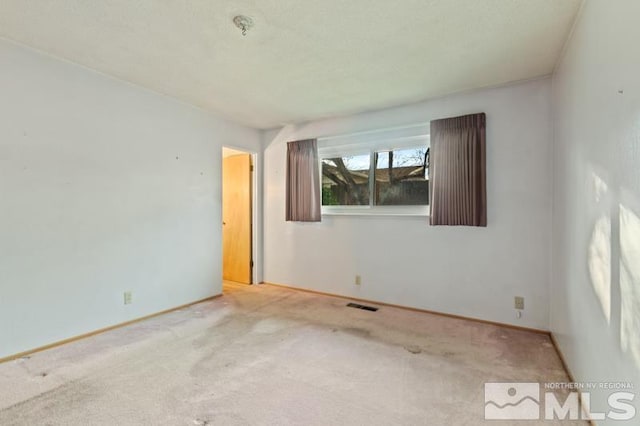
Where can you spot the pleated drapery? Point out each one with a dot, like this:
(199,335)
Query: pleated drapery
(457,171)
(303,182)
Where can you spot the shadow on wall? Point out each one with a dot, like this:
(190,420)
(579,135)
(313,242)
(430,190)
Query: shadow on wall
(614,264)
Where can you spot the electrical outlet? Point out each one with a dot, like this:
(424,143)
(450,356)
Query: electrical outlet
(358,280)
(519,302)
(127,298)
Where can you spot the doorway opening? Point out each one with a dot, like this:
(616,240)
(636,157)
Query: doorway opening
(238,201)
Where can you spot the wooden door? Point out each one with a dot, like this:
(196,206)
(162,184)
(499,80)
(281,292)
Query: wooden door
(236,218)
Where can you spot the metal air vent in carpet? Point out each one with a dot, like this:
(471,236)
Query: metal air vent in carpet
(364,307)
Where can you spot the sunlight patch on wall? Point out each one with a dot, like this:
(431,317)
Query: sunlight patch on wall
(599,187)
(600,264)
(630,283)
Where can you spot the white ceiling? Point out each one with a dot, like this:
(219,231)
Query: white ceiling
(303,60)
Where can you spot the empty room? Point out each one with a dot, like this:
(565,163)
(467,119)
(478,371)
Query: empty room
(286,212)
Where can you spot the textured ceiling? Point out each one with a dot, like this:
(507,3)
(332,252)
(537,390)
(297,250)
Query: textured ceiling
(303,60)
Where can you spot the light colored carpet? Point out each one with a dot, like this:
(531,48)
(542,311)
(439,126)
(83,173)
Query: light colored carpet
(263,355)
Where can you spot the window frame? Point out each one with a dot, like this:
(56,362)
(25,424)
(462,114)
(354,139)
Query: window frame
(372,142)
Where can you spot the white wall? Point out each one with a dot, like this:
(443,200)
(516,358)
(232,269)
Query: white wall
(595,303)
(474,272)
(93,200)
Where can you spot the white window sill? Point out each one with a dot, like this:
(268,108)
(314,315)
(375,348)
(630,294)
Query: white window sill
(406,211)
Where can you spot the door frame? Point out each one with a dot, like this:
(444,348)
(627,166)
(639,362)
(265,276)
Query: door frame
(256,211)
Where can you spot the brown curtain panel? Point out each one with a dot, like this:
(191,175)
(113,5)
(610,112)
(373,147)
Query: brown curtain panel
(457,171)
(303,181)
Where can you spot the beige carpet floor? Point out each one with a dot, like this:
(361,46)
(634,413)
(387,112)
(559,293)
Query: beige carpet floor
(263,355)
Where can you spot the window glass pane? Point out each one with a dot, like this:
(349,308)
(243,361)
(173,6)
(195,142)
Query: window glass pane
(401,177)
(345,180)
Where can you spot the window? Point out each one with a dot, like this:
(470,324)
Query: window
(401,177)
(385,176)
(345,180)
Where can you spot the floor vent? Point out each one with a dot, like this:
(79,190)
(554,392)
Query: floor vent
(364,307)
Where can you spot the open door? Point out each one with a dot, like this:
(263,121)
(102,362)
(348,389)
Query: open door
(236,218)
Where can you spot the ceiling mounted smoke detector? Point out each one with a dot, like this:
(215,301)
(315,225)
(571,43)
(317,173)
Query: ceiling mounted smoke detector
(244,23)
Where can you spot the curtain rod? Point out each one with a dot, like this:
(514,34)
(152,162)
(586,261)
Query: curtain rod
(366,132)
